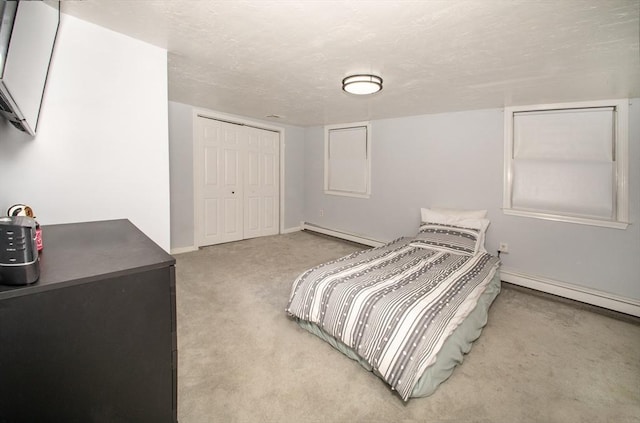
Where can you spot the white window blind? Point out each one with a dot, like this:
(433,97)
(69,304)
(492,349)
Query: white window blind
(347,160)
(566,164)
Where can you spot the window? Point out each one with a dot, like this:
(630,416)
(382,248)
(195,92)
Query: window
(568,162)
(347,158)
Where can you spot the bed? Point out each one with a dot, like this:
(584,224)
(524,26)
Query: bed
(408,310)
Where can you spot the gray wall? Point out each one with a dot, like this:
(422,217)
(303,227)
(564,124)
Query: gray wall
(446,160)
(181,174)
(456,160)
(294,177)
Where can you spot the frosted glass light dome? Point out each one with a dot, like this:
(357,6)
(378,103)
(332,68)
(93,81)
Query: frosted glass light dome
(362,84)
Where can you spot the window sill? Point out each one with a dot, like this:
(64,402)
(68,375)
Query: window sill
(347,194)
(568,219)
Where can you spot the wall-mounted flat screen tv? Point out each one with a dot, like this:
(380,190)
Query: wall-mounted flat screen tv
(28,31)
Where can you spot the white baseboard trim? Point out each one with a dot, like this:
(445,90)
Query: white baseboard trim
(574,292)
(291,230)
(341,234)
(182,250)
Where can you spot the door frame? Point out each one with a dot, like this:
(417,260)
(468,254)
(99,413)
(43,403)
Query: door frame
(237,120)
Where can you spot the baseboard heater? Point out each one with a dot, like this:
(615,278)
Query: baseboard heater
(341,234)
(577,293)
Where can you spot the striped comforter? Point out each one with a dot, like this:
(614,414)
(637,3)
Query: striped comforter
(394,305)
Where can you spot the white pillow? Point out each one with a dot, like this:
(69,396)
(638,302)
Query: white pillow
(463,214)
(431,216)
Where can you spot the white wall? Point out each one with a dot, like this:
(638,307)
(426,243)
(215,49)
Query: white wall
(181,147)
(101,151)
(456,160)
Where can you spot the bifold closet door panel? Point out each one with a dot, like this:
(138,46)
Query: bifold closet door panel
(219,182)
(261,185)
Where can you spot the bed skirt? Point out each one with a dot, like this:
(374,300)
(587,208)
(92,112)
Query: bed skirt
(450,355)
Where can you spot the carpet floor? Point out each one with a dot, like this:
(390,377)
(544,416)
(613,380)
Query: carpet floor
(241,359)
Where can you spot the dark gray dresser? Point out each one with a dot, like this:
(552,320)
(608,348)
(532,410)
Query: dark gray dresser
(94,340)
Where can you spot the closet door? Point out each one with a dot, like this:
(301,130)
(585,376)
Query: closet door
(261,188)
(218,179)
(237,185)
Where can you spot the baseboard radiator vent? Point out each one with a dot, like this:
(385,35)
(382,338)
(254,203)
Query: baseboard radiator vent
(586,295)
(341,234)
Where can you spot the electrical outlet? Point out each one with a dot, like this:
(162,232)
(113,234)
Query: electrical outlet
(321,212)
(504,247)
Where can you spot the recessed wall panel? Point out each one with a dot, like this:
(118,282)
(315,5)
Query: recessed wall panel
(268,169)
(230,213)
(231,167)
(268,213)
(211,217)
(253,171)
(211,165)
(253,213)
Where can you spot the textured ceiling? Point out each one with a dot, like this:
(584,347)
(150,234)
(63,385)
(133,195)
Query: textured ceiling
(268,57)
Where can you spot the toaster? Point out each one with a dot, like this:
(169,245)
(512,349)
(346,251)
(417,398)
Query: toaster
(19,264)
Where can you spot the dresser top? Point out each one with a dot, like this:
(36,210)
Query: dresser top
(76,253)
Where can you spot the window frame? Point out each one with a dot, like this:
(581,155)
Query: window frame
(327,131)
(621,158)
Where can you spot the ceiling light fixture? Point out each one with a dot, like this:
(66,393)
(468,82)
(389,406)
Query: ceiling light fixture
(362,84)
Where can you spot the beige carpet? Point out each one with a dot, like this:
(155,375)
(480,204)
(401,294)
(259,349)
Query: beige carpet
(242,360)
